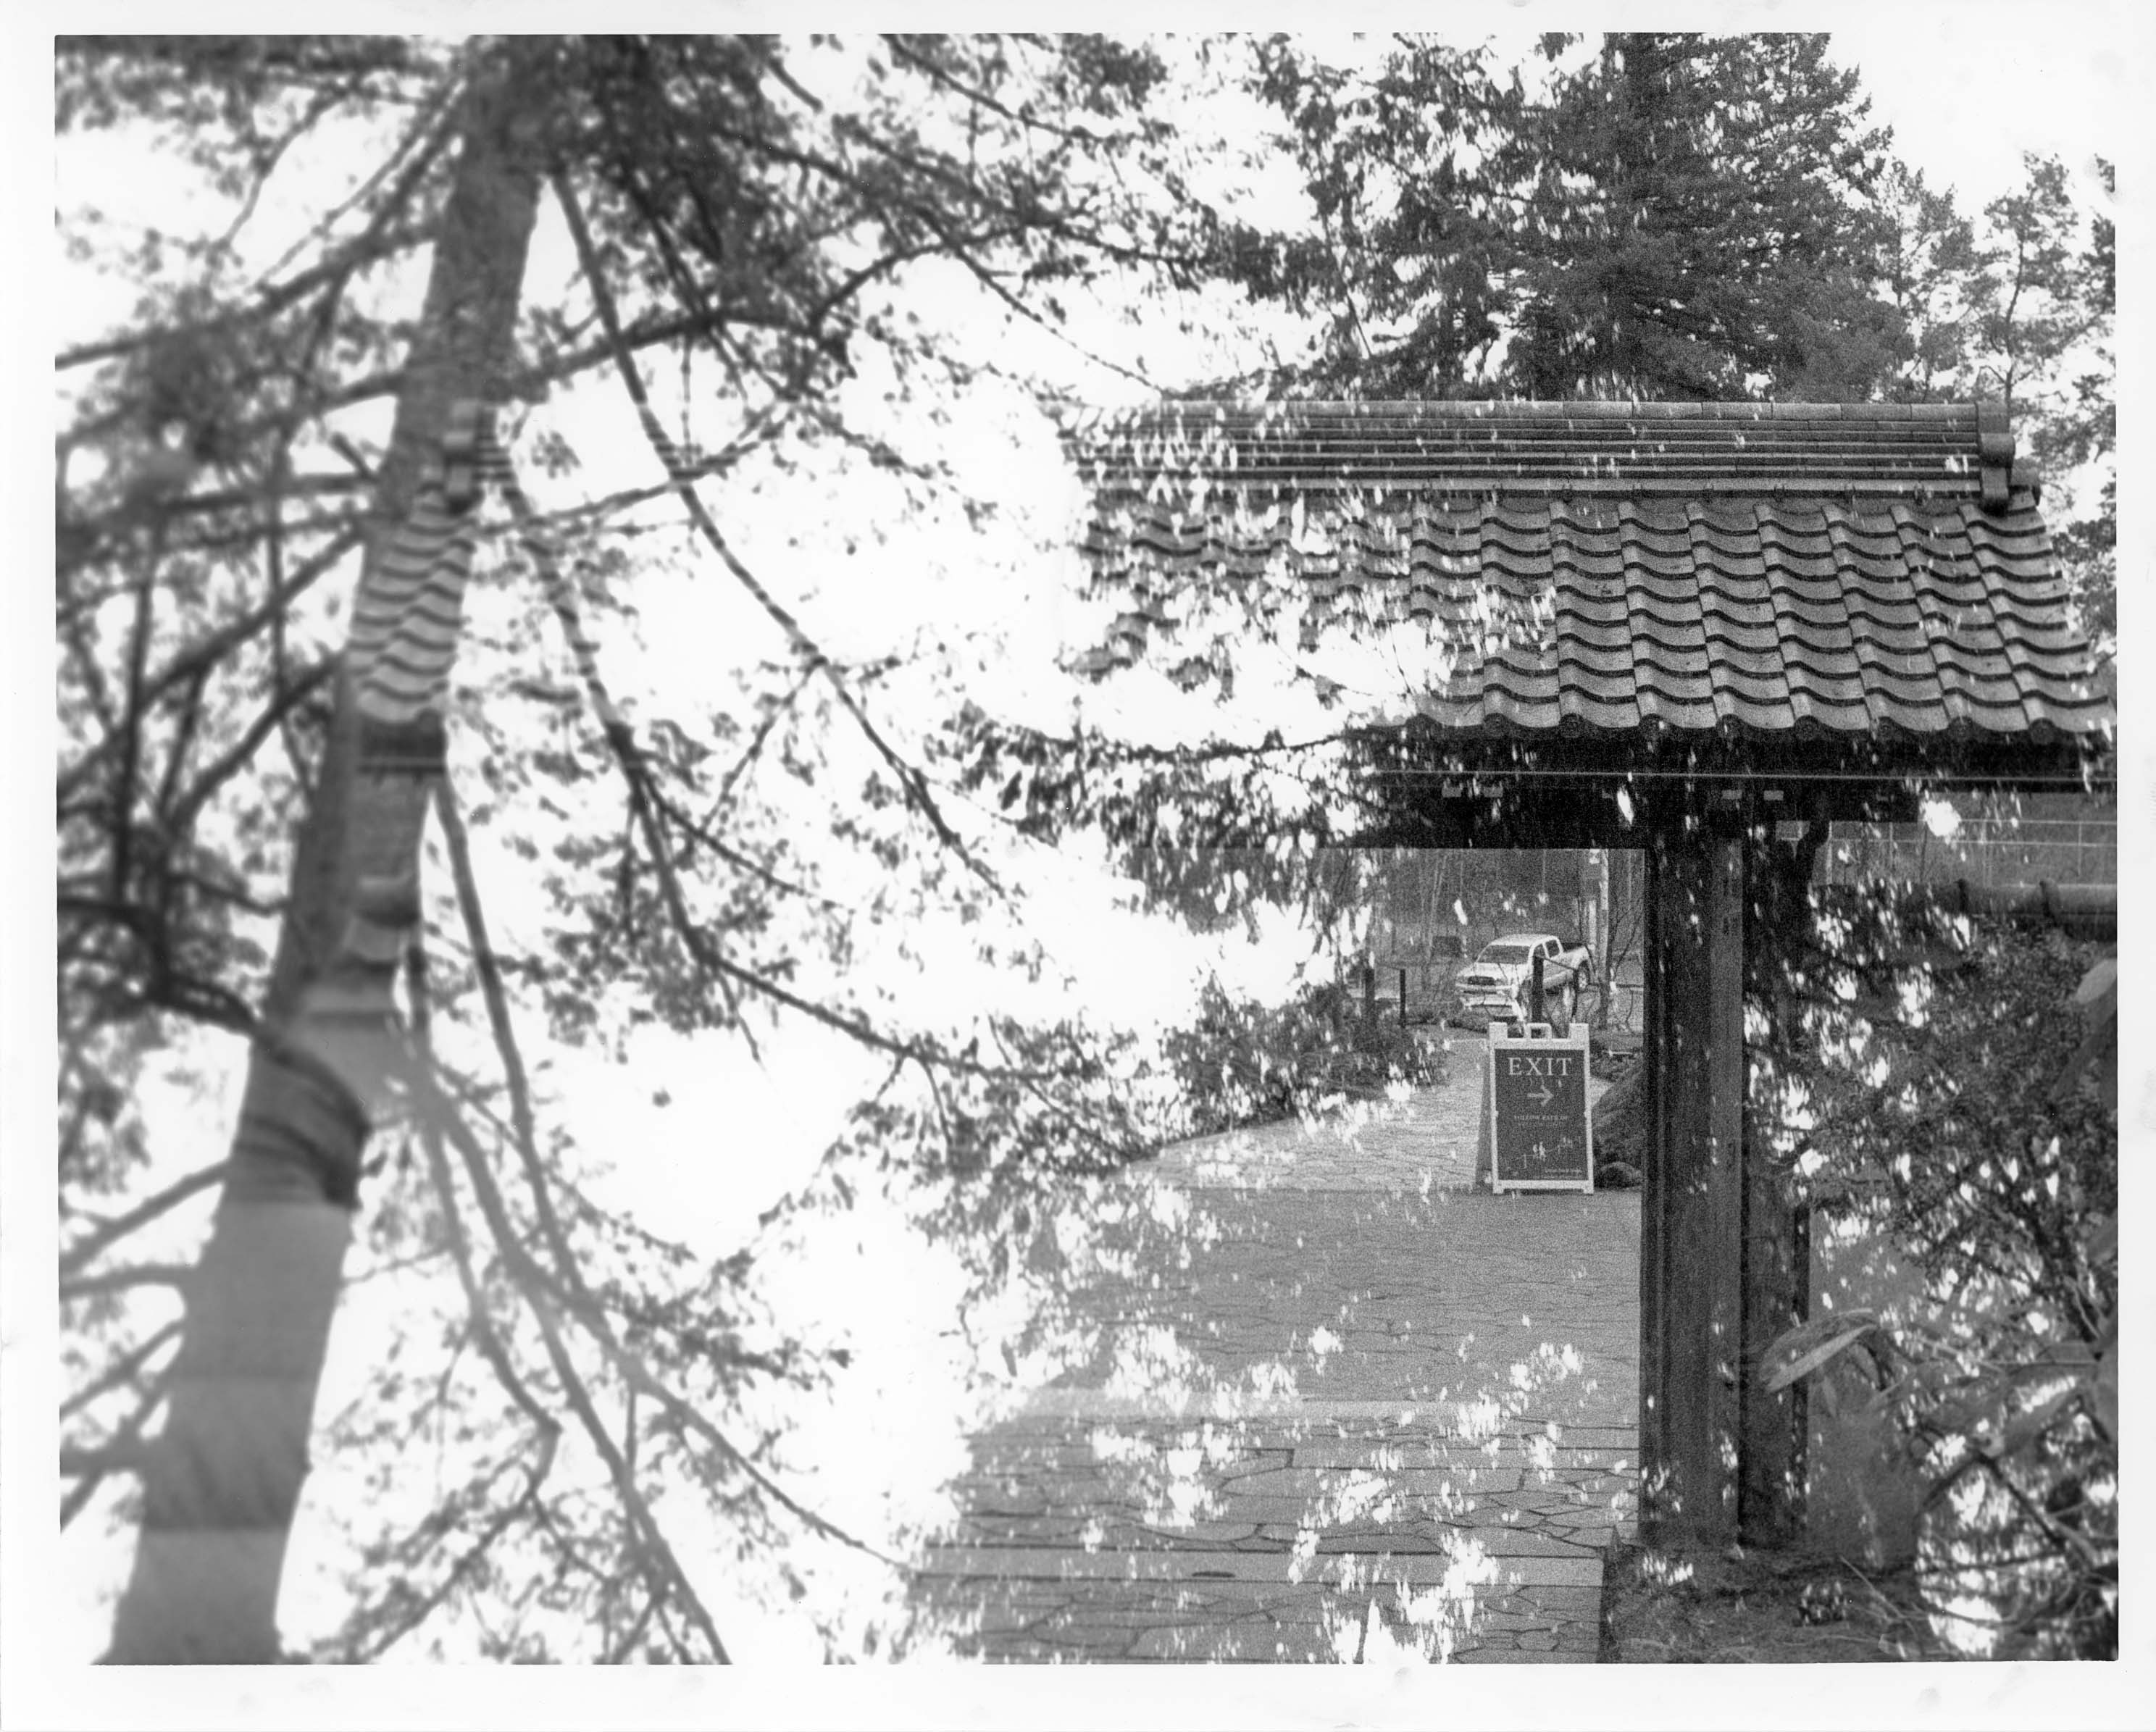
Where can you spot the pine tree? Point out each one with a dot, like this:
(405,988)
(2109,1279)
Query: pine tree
(1678,217)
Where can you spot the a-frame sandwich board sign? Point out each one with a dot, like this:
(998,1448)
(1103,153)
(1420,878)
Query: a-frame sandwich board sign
(1535,1129)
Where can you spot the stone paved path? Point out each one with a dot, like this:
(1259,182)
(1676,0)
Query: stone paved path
(1344,1408)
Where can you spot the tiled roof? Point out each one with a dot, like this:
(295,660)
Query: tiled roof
(1787,571)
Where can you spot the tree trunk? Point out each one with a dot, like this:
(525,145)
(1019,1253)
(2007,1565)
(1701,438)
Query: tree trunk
(224,1476)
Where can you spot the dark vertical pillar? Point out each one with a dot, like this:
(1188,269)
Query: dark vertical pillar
(1777,1239)
(1654,1445)
(1693,1208)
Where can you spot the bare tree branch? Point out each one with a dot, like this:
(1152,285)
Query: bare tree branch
(491,1346)
(509,1245)
(566,1280)
(122,1443)
(125,1456)
(94,1243)
(418,1611)
(229,763)
(122,1369)
(122,1280)
(910,778)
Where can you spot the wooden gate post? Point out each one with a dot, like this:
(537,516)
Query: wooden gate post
(1691,1209)
(1777,1231)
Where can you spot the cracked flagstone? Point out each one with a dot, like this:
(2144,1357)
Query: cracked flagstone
(1435,1472)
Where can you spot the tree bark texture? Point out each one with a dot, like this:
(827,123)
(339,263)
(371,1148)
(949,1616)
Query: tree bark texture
(224,1477)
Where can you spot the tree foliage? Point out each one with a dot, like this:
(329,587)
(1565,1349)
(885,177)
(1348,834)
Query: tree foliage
(1946,1106)
(1619,226)
(2016,307)
(748,399)
(2044,300)
(1242,1063)
(783,254)
(1680,217)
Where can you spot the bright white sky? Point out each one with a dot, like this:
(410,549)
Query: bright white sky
(1967,88)
(1967,91)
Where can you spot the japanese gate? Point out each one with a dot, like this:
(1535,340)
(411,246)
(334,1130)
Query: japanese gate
(1702,630)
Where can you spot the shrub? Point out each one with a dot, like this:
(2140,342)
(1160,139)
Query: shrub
(1242,1063)
(1954,1109)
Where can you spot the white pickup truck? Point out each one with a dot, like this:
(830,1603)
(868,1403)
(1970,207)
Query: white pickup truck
(1495,986)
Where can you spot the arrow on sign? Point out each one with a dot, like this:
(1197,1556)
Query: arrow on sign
(1544,1095)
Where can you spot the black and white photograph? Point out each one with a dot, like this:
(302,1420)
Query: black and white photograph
(1215,852)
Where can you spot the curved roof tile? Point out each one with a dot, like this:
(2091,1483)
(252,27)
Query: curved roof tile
(1792,571)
